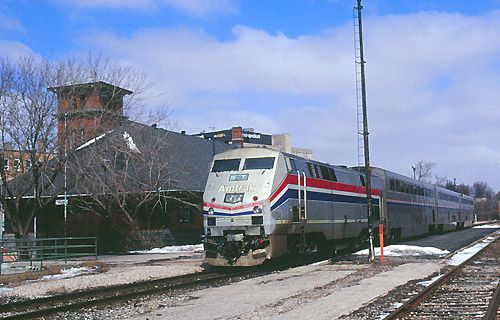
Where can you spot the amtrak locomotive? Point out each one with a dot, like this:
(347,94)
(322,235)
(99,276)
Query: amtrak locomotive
(261,203)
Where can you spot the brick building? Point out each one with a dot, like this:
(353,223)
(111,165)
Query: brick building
(87,110)
(246,137)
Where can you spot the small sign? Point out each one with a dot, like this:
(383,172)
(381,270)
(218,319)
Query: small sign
(61,202)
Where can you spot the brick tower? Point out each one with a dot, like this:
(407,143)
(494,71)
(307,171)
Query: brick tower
(86,111)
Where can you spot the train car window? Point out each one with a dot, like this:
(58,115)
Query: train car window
(376,213)
(310,169)
(362,178)
(258,163)
(226,165)
(316,171)
(398,186)
(332,174)
(325,173)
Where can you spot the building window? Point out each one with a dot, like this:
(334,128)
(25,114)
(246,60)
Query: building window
(82,101)
(27,164)
(184,214)
(17,164)
(82,135)
(6,164)
(72,143)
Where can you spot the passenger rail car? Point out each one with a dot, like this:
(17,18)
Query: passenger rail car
(414,208)
(261,203)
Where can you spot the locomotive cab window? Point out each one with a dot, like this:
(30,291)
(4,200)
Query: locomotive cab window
(293,165)
(258,163)
(226,165)
(325,173)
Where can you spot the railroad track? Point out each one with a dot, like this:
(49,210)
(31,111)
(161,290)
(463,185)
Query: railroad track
(470,290)
(105,296)
(30,309)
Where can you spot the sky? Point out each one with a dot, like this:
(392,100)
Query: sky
(432,70)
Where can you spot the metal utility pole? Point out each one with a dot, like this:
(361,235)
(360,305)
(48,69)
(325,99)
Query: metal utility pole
(366,148)
(65,178)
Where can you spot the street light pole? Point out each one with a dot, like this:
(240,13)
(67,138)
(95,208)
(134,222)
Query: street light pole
(414,169)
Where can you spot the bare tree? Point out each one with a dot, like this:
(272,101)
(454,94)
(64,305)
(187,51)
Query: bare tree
(29,118)
(440,181)
(28,130)
(486,204)
(480,189)
(463,189)
(423,170)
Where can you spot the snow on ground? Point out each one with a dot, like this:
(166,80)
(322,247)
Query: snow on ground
(467,253)
(319,263)
(487,226)
(405,250)
(70,273)
(431,281)
(173,249)
(5,289)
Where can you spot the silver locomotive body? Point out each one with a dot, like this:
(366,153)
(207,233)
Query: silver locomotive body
(261,203)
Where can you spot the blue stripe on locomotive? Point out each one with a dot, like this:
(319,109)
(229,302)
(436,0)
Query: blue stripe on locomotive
(292,194)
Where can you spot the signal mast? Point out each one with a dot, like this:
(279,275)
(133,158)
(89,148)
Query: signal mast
(360,86)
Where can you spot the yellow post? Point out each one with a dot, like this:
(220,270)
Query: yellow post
(381,236)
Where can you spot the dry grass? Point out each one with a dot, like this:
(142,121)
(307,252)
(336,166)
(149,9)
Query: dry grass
(49,269)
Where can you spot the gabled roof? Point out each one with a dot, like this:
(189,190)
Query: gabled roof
(186,159)
(101,85)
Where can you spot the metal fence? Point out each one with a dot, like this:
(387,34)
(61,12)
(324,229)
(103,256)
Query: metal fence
(43,249)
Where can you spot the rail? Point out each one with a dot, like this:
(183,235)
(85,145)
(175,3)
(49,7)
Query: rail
(43,249)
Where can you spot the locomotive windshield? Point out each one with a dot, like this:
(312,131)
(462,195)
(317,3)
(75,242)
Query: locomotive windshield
(226,165)
(259,163)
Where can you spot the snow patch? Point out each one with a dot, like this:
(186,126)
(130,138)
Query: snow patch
(405,250)
(196,248)
(320,263)
(431,281)
(3,289)
(70,273)
(88,143)
(393,307)
(130,142)
(487,226)
(467,253)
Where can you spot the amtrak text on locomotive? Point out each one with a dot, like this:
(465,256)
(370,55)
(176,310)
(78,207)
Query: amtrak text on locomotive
(233,189)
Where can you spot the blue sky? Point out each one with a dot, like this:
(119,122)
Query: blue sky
(433,70)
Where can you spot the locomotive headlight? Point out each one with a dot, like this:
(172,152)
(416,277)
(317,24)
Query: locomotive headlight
(257,209)
(211,211)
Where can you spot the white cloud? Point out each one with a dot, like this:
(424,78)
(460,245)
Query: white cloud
(15,49)
(199,8)
(432,81)
(10,24)
(202,8)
